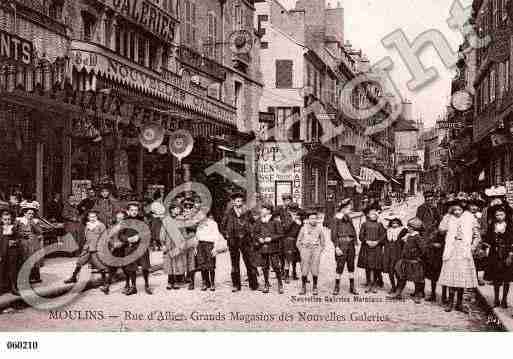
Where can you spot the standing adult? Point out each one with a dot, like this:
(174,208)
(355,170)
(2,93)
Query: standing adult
(31,235)
(71,219)
(430,216)
(458,270)
(283,214)
(236,228)
(173,243)
(343,236)
(10,254)
(106,206)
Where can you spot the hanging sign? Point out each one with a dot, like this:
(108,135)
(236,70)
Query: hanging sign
(151,136)
(181,144)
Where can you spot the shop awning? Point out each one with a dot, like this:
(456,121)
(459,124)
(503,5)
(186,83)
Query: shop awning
(368,175)
(344,172)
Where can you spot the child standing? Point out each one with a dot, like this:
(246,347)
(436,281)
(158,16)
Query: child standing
(372,236)
(392,249)
(343,236)
(409,267)
(500,258)
(311,243)
(210,243)
(267,232)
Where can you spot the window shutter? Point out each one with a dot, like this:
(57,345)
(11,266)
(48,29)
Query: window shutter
(284,73)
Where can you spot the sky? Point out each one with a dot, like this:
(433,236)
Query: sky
(368,21)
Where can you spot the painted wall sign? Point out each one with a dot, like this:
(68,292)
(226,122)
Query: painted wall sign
(15,48)
(146,14)
(144,79)
(272,175)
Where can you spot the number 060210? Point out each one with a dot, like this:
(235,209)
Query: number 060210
(22,345)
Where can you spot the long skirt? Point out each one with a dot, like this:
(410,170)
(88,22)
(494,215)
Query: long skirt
(391,255)
(458,271)
(178,265)
(204,258)
(362,256)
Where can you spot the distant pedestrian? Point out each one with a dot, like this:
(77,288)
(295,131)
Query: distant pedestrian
(11,255)
(311,242)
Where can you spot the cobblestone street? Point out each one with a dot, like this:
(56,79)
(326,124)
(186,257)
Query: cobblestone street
(222,310)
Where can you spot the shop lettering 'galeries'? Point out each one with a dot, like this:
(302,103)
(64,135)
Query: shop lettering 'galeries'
(148,15)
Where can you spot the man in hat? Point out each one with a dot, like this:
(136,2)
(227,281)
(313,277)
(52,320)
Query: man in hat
(236,228)
(343,236)
(430,216)
(291,225)
(134,214)
(284,215)
(106,206)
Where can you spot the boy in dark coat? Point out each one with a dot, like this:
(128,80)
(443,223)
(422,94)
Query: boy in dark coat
(409,267)
(343,236)
(291,224)
(267,233)
(372,236)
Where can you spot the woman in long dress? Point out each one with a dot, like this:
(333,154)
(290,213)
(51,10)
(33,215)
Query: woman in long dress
(31,235)
(458,269)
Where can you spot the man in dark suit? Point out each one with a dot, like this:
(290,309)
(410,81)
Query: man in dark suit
(236,228)
(430,216)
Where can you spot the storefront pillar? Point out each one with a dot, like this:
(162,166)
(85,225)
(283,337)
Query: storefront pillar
(140,170)
(39,175)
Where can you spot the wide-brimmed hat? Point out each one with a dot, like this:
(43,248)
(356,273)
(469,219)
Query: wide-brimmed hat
(344,203)
(456,202)
(495,191)
(26,205)
(416,224)
(158,209)
(293,207)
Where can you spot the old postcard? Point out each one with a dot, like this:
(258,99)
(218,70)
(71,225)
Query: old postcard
(255,165)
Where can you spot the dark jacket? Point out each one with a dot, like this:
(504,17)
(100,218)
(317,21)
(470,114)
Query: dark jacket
(430,217)
(270,229)
(237,230)
(501,245)
(413,248)
(343,235)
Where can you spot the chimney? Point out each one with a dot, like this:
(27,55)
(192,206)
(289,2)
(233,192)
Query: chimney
(315,21)
(407,110)
(335,23)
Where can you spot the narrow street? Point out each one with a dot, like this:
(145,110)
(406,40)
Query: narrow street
(222,310)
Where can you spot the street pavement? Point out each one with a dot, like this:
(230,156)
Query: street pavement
(222,310)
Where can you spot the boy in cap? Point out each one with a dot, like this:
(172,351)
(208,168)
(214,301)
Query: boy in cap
(267,233)
(343,236)
(311,243)
(291,224)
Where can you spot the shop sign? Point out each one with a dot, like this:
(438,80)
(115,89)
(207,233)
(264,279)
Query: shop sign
(15,48)
(145,13)
(169,87)
(278,173)
(79,189)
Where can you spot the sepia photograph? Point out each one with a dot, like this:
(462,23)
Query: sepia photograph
(255,166)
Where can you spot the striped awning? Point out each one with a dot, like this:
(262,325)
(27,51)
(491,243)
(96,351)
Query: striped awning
(344,172)
(368,175)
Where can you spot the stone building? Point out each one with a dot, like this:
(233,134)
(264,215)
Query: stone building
(119,67)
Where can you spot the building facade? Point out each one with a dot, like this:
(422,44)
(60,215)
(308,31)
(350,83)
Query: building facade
(118,69)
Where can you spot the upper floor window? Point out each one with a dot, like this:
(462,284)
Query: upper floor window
(89,23)
(284,73)
(238,16)
(190,24)
(493,86)
(55,9)
(211,46)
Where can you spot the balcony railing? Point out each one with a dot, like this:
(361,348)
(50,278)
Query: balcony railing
(196,60)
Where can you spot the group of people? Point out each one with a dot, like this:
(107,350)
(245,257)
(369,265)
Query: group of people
(21,236)
(449,242)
